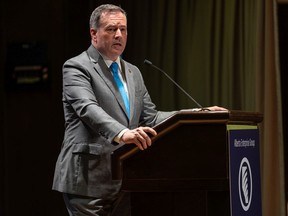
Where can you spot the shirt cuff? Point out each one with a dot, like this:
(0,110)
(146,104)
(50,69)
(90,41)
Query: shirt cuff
(191,110)
(119,136)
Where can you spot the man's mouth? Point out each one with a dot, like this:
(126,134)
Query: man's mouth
(117,44)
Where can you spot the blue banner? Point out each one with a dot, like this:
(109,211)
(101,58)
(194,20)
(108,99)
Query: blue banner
(245,184)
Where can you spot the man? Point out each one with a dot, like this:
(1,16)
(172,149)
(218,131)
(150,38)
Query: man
(105,104)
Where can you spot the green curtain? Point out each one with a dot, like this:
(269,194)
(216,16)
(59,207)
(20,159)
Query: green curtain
(207,46)
(269,103)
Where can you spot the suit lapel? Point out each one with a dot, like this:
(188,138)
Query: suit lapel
(128,73)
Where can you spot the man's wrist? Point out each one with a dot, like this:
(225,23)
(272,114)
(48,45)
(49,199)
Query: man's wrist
(119,136)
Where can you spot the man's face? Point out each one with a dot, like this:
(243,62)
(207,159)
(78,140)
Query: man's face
(110,38)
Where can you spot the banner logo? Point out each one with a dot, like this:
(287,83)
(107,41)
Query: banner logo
(245,184)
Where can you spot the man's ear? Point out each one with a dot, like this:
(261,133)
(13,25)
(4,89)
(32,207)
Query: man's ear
(93,33)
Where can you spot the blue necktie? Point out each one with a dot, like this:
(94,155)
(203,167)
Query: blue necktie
(114,68)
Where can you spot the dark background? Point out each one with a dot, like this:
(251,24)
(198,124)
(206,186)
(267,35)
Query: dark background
(31,117)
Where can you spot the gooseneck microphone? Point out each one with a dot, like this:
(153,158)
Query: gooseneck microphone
(191,98)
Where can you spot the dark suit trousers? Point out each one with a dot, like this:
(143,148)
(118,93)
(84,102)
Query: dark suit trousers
(84,206)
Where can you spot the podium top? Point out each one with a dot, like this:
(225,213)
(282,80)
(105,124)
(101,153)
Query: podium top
(224,117)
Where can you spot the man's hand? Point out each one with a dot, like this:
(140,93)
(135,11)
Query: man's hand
(139,137)
(216,108)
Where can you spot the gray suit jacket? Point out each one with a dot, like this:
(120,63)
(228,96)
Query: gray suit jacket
(94,114)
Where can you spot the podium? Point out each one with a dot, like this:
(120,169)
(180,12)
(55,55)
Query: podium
(187,169)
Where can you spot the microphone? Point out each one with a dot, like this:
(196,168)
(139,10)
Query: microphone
(190,97)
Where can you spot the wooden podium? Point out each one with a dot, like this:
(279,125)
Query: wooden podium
(186,170)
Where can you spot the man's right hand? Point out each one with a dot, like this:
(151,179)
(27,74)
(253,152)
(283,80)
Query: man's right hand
(139,136)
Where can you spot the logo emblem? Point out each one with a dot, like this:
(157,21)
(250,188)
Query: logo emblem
(245,184)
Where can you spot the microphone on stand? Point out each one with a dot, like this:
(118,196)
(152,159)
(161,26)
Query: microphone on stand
(190,97)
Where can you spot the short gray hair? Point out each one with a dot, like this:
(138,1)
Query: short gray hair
(96,14)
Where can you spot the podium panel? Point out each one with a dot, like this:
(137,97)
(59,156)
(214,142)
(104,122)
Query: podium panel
(245,181)
(186,170)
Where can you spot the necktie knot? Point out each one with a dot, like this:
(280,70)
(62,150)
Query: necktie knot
(114,67)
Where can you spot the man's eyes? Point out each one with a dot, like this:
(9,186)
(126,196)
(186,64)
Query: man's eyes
(114,29)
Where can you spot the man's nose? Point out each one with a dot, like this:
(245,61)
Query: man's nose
(118,33)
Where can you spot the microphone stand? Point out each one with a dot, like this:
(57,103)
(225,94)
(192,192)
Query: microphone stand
(191,98)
